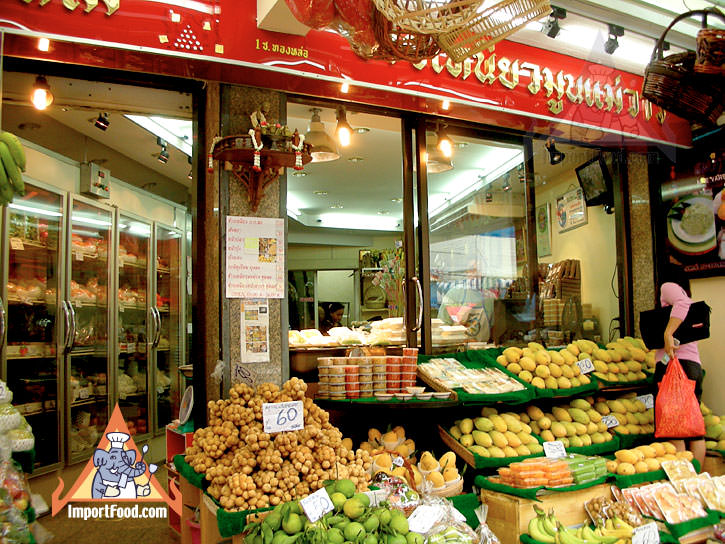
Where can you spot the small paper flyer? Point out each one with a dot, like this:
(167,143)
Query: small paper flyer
(255,330)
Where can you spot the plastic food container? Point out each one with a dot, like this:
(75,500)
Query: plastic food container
(339,361)
(383,396)
(410,352)
(424,396)
(336,378)
(337,388)
(355,394)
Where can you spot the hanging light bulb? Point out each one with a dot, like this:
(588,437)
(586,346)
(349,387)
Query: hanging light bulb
(445,144)
(343,130)
(41,97)
(555,156)
(324,148)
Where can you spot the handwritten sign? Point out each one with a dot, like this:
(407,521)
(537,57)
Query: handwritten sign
(554,449)
(279,417)
(424,518)
(646,534)
(647,400)
(610,421)
(255,257)
(317,505)
(585,366)
(16,244)
(398,461)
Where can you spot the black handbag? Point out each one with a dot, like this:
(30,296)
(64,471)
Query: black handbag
(695,326)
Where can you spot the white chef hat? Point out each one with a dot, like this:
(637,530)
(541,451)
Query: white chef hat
(117,439)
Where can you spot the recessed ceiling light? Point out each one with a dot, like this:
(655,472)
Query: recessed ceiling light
(320,193)
(361,130)
(337,206)
(460,145)
(355,159)
(300,174)
(383,212)
(396,200)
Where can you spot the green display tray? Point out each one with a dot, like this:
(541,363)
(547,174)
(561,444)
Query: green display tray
(233,523)
(719,452)
(567,393)
(597,449)
(645,477)
(531,492)
(466,505)
(679,530)
(496,462)
(623,385)
(665,538)
(189,474)
(629,441)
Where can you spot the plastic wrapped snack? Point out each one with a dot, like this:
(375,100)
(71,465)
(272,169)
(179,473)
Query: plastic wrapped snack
(13,504)
(483,531)
(401,496)
(9,417)
(21,439)
(677,469)
(6,396)
(710,494)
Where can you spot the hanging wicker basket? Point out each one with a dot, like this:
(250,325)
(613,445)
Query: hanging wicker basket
(674,84)
(490,26)
(428,16)
(399,44)
(711,51)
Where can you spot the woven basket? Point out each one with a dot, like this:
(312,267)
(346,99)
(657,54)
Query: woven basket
(428,16)
(490,26)
(710,51)
(398,44)
(673,84)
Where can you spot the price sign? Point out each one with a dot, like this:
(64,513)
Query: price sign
(585,366)
(398,461)
(646,534)
(554,449)
(16,244)
(647,400)
(279,417)
(79,255)
(424,518)
(316,505)
(610,421)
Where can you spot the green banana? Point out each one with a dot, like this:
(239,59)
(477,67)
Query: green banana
(548,523)
(538,533)
(6,190)
(589,534)
(15,147)
(567,537)
(11,169)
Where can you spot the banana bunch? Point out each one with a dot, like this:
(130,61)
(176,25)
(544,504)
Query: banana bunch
(547,529)
(12,164)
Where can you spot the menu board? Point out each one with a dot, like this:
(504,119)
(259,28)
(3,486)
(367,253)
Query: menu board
(571,210)
(255,257)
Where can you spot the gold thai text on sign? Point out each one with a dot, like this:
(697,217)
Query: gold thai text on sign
(559,87)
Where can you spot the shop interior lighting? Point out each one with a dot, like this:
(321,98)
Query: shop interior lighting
(446,105)
(506,186)
(345,87)
(324,148)
(551,27)
(436,162)
(361,130)
(302,173)
(555,156)
(41,97)
(34,210)
(164,153)
(615,31)
(76,218)
(176,132)
(358,221)
(102,122)
(43,44)
(445,144)
(343,130)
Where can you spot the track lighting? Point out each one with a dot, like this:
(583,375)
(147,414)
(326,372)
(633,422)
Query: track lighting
(41,97)
(445,144)
(506,187)
(343,130)
(324,148)
(551,27)
(164,153)
(611,44)
(102,122)
(555,156)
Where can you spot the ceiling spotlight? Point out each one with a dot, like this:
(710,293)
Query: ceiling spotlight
(343,130)
(361,130)
(506,186)
(337,206)
(301,173)
(445,144)
(41,97)
(164,153)
(436,162)
(324,148)
(344,87)
(446,105)
(396,200)
(521,172)
(383,212)
(611,44)
(102,122)
(319,193)
(355,159)
(43,44)
(551,27)
(555,156)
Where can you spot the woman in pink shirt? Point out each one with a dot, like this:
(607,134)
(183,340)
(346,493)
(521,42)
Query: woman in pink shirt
(675,292)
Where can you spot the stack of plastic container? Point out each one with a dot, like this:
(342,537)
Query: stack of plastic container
(393,365)
(408,370)
(536,472)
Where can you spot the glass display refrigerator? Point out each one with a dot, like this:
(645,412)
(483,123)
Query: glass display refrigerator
(86,312)
(31,324)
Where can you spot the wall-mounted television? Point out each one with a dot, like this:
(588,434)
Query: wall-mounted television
(596,182)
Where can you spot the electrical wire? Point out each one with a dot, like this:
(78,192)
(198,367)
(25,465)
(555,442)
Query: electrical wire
(612,282)
(612,329)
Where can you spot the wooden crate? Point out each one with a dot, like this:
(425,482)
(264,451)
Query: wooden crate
(509,516)
(435,385)
(457,447)
(714,465)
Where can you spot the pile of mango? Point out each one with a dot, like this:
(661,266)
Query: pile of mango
(545,369)
(714,429)
(497,435)
(645,458)
(577,424)
(623,361)
(631,413)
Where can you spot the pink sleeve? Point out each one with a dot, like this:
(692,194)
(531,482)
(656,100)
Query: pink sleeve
(675,296)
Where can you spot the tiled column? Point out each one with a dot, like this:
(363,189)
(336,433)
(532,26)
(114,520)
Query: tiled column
(237,105)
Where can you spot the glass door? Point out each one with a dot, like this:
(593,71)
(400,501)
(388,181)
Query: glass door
(132,357)
(167,341)
(32,370)
(86,308)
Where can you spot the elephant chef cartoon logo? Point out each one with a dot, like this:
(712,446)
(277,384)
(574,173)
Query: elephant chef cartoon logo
(117,472)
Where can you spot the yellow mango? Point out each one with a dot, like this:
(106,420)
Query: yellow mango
(542,358)
(551,383)
(573,349)
(555,370)
(557,357)
(564,382)
(527,363)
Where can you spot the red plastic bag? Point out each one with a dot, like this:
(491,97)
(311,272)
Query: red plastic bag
(677,412)
(313,13)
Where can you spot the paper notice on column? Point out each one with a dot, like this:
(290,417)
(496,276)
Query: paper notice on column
(255,331)
(255,257)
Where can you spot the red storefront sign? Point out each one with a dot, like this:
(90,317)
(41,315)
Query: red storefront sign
(512,85)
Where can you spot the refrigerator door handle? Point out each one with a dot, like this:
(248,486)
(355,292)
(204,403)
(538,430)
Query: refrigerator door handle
(2,323)
(157,336)
(72,338)
(66,319)
(151,329)
(419,321)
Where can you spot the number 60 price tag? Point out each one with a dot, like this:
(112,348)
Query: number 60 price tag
(646,534)
(316,505)
(282,416)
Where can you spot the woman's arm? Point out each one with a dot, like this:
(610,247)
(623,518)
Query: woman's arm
(675,296)
(672,325)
